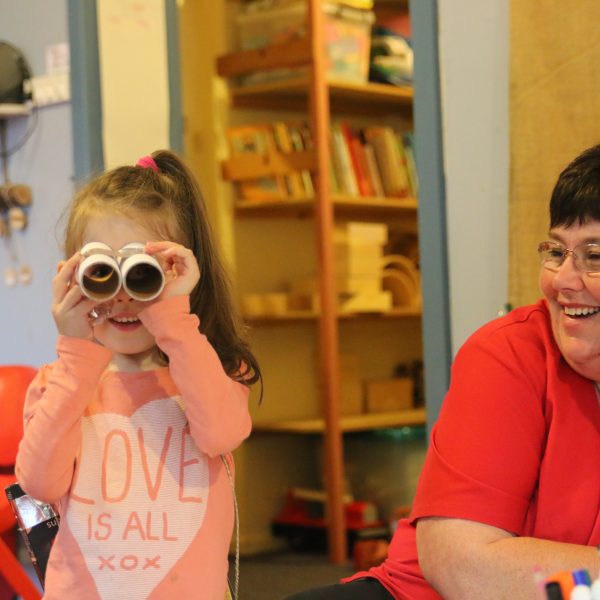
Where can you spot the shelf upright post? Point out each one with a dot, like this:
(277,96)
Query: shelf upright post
(328,325)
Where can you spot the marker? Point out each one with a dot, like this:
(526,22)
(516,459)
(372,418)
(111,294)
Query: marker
(582,577)
(565,580)
(581,592)
(553,591)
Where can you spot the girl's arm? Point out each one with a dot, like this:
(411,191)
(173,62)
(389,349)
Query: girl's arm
(466,559)
(216,406)
(54,405)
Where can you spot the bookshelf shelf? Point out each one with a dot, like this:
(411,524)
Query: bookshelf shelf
(344,97)
(293,53)
(348,424)
(343,205)
(401,312)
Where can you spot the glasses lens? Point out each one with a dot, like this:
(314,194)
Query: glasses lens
(590,257)
(552,254)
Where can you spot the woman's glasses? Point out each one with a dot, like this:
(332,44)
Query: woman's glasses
(585,256)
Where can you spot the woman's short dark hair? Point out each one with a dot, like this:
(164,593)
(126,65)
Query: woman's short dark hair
(576,195)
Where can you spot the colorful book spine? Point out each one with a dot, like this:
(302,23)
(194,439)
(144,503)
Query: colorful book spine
(391,164)
(372,162)
(345,172)
(298,145)
(284,145)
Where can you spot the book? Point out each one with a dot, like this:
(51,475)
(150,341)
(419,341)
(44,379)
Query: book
(373,169)
(295,133)
(362,168)
(343,162)
(411,163)
(389,160)
(283,143)
(358,160)
(255,139)
(307,139)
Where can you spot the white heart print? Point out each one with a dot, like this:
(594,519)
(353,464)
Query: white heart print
(139,498)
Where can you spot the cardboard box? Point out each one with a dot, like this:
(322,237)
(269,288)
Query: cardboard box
(347,34)
(389,395)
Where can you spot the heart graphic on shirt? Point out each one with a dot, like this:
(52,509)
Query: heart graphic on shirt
(139,497)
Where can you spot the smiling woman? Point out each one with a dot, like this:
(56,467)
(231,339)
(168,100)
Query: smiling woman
(510,482)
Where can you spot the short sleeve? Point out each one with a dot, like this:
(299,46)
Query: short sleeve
(485,451)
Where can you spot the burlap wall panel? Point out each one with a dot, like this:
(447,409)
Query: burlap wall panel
(554,114)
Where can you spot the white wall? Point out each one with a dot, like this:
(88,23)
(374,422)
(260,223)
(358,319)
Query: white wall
(474,45)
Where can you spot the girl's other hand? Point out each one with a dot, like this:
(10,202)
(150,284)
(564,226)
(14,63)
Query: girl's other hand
(182,272)
(70,308)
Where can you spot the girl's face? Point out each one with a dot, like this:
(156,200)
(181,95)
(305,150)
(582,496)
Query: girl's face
(122,332)
(569,289)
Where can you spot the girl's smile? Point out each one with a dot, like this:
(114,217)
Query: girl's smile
(125,323)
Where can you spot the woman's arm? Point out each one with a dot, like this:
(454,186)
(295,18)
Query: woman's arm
(216,406)
(55,403)
(466,560)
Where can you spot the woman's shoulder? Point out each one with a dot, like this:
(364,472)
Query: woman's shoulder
(529,325)
(521,341)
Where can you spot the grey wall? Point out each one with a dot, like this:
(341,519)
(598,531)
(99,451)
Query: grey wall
(474,70)
(27,333)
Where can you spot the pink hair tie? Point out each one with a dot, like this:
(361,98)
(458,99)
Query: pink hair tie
(147,162)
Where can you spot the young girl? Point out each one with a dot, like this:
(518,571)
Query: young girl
(125,431)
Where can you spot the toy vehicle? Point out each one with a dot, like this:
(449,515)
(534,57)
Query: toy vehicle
(302,520)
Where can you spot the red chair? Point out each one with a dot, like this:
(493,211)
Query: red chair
(14,381)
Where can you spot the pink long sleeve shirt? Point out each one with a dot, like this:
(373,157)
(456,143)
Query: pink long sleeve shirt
(133,462)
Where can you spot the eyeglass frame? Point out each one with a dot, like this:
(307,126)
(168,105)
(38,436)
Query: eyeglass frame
(577,258)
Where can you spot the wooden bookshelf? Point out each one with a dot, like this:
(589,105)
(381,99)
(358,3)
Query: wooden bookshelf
(366,422)
(309,90)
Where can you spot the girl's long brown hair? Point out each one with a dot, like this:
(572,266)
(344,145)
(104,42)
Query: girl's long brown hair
(171,204)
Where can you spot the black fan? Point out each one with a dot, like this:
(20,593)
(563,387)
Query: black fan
(14,76)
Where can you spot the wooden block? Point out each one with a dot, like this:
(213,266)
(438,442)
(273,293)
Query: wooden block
(389,395)
(275,303)
(402,288)
(252,305)
(351,389)
(358,260)
(359,286)
(255,305)
(304,286)
(344,284)
(361,233)
(379,302)
(301,302)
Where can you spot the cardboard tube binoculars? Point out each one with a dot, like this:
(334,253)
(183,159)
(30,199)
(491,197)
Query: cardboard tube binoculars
(101,275)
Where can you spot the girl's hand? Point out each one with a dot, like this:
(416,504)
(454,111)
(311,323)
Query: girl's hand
(182,272)
(70,308)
